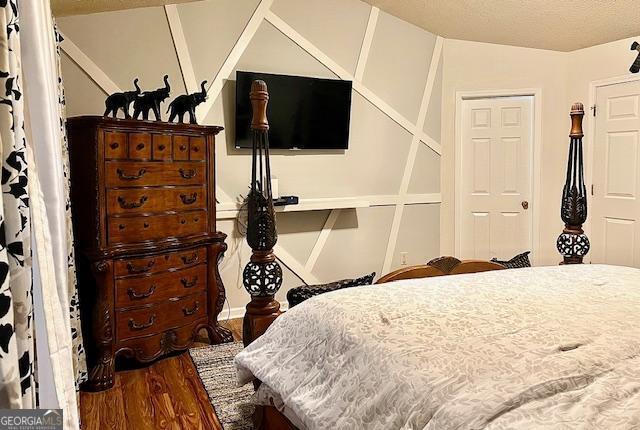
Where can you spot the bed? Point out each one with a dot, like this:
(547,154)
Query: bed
(453,344)
(547,347)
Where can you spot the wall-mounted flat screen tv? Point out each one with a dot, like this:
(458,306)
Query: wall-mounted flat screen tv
(303,113)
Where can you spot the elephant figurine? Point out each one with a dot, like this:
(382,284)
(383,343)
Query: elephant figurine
(150,100)
(117,101)
(635,67)
(187,103)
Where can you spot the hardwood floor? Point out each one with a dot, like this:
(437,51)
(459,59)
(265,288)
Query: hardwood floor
(166,395)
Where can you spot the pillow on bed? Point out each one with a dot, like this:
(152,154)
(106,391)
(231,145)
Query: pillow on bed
(297,295)
(520,260)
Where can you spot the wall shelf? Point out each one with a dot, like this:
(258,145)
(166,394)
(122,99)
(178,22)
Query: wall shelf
(230,210)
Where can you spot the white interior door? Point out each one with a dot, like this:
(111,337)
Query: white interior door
(615,209)
(496,177)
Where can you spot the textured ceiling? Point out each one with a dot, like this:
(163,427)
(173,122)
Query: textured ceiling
(561,25)
(82,7)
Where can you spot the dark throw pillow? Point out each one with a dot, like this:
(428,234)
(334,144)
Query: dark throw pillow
(520,260)
(297,295)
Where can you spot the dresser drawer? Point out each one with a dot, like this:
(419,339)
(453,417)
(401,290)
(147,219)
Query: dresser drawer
(180,147)
(138,200)
(151,347)
(115,144)
(140,146)
(161,147)
(134,229)
(124,174)
(159,263)
(161,316)
(159,287)
(197,148)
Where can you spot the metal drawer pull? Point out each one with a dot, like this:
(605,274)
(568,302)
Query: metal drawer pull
(114,145)
(161,147)
(132,205)
(187,174)
(188,200)
(126,177)
(190,259)
(136,296)
(140,146)
(136,326)
(191,311)
(188,284)
(140,269)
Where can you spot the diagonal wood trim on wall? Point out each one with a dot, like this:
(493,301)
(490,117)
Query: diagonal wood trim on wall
(95,73)
(366,43)
(182,50)
(411,158)
(358,86)
(232,59)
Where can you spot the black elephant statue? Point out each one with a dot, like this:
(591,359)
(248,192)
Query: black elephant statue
(121,101)
(150,100)
(187,103)
(635,67)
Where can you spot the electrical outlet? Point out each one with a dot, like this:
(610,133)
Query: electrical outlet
(403,258)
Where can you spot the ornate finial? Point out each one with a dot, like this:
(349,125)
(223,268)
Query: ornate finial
(259,96)
(577,108)
(577,113)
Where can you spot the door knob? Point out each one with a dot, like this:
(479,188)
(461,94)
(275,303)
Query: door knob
(525,205)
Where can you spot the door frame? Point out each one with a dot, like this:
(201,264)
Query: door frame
(589,139)
(536,156)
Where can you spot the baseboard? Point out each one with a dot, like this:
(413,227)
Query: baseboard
(237,313)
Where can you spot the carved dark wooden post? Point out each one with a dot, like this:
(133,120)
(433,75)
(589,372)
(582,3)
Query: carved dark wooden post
(573,244)
(262,277)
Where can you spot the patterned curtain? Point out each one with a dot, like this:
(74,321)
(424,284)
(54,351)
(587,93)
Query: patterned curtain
(79,359)
(17,385)
(17,376)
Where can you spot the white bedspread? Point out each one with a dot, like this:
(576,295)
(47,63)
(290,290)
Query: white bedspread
(551,347)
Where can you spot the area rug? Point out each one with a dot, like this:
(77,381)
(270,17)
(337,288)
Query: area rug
(218,374)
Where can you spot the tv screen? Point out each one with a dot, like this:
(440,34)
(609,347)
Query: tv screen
(303,113)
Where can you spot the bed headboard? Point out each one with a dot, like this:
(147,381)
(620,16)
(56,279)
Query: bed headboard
(440,267)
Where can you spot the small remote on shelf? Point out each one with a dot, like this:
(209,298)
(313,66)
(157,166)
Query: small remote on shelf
(286,200)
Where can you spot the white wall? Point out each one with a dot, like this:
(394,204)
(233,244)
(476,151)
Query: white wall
(596,63)
(139,43)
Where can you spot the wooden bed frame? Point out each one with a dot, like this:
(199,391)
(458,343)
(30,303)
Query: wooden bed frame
(572,244)
(440,267)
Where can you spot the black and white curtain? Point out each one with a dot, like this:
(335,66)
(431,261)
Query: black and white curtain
(17,388)
(79,359)
(38,295)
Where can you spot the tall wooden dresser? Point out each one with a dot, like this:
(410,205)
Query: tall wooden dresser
(144,212)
